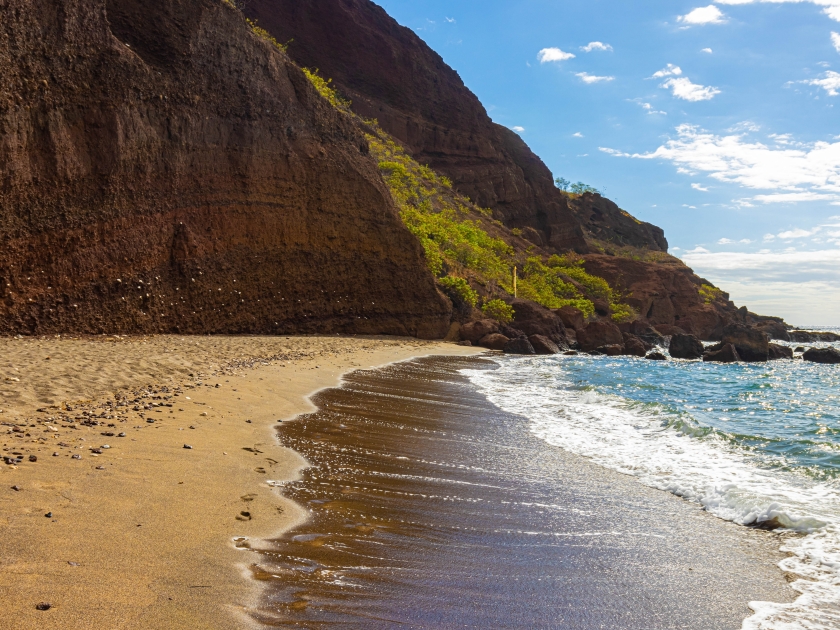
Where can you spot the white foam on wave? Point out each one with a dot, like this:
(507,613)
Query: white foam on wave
(669,452)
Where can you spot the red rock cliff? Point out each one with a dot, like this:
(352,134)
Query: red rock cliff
(390,74)
(162,169)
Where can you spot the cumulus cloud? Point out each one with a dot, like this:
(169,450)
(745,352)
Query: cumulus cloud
(547,55)
(707,50)
(703,15)
(683,88)
(596,46)
(797,233)
(669,71)
(577,134)
(591,78)
(835,40)
(699,187)
(830,82)
(809,173)
(518,129)
(831,7)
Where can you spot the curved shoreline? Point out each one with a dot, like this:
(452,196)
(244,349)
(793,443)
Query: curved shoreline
(140,535)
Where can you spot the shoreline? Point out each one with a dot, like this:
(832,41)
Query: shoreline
(132,527)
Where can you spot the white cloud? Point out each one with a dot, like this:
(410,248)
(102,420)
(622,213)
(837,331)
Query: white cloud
(812,169)
(591,78)
(547,55)
(518,129)
(703,15)
(596,46)
(830,82)
(683,88)
(795,197)
(577,134)
(835,40)
(450,20)
(832,7)
(707,50)
(797,233)
(725,241)
(669,71)
(699,187)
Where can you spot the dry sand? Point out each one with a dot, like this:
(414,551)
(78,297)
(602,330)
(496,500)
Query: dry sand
(143,534)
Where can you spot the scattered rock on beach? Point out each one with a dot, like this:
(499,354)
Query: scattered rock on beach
(597,334)
(474,331)
(43,606)
(612,350)
(822,355)
(187,446)
(656,356)
(633,346)
(686,347)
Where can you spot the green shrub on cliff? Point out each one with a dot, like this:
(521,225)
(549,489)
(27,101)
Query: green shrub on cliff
(709,293)
(323,86)
(461,288)
(499,310)
(454,235)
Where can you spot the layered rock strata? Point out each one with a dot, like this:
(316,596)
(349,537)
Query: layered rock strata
(162,169)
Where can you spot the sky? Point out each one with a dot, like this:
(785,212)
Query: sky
(718,122)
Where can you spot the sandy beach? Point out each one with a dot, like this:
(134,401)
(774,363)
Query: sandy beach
(143,534)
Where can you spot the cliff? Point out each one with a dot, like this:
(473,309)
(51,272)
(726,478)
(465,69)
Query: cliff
(391,75)
(163,169)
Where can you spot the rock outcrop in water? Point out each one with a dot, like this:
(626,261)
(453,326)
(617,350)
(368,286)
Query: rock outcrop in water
(162,169)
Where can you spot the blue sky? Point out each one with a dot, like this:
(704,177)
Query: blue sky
(719,122)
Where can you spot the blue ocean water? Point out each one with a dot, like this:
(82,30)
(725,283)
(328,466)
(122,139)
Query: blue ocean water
(757,444)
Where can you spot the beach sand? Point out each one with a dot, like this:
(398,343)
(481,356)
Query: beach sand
(141,535)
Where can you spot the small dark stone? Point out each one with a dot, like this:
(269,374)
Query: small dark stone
(656,356)
(100,468)
(33,458)
(76,457)
(121,435)
(150,420)
(43,606)
(16,488)
(187,446)
(217,385)
(48,514)
(571,353)
(248,421)
(799,349)
(612,350)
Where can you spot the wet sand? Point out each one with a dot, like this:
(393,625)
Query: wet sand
(140,535)
(431,508)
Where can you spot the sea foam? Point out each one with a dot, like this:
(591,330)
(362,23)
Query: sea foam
(668,449)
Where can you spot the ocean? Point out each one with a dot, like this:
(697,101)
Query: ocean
(755,444)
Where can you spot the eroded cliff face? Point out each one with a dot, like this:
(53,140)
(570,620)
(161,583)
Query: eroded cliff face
(162,169)
(390,74)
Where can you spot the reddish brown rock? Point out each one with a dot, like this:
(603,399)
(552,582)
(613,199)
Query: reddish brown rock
(474,331)
(162,169)
(778,352)
(519,346)
(571,318)
(544,345)
(533,319)
(656,356)
(752,344)
(686,347)
(722,353)
(597,334)
(494,341)
(822,355)
(612,350)
(634,347)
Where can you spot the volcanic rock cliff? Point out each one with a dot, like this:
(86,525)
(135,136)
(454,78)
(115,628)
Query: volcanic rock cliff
(162,169)
(391,75)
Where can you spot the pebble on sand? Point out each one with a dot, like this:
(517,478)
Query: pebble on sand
(43,606)
(187,446)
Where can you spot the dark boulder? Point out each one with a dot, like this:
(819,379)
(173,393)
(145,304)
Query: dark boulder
(686,347)
(774,329)
(633,346)
(571,353)
(519,346)
(493,341)
(799,349)
(822,355)
(571,317)
(613,350)
(656,356)
(810,336)
(597,334)
(667,330)
(475,331)
(752,344)
(722,353)
(534,319)
(602,308)
(780,352)
(544,345)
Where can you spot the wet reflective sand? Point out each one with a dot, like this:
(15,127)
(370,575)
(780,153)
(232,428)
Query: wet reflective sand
(433,509)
